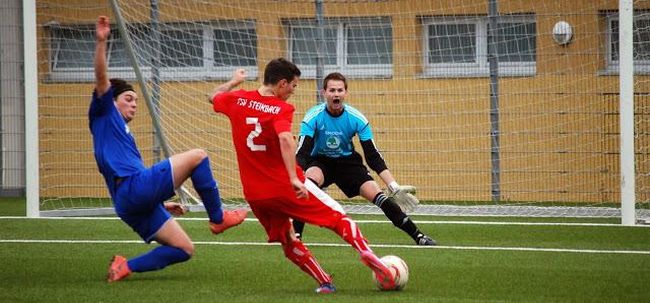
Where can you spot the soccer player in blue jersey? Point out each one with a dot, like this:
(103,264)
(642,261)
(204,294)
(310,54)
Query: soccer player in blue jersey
(139,193)
(326,152)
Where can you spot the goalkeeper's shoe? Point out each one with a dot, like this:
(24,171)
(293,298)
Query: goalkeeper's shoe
(326,288)
(118,270)
(425,240)
(383,274)
(230,219)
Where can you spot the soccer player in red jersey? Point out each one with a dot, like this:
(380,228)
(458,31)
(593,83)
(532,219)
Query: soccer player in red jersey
(274,186)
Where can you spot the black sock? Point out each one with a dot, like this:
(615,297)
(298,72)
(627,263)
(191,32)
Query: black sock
(298,226)
(396,215)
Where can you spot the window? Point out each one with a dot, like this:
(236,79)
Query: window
(641,42)
(458,46)
(361,47)
(186,51)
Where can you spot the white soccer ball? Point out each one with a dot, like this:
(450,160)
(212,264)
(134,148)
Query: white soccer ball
(399,269)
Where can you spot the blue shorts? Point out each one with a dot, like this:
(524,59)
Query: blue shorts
(139,199)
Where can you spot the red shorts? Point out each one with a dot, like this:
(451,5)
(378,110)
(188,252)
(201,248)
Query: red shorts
(275,214)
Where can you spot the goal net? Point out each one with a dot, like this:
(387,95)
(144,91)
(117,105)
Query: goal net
(505,107)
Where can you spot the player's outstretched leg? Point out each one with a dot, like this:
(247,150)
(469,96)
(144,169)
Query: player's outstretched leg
(302,257)
(157,258)
(349,231)
(395,214)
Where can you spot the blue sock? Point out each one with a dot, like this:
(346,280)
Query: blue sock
(158,258)
(206,186)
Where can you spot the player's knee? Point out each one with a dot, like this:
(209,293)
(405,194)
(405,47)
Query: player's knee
(315,174)
(199,154)
(188,248)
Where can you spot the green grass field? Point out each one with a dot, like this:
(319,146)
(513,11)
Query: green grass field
(50,260)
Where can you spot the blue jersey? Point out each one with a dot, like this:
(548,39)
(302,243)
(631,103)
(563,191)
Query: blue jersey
(115,150)
(333,135)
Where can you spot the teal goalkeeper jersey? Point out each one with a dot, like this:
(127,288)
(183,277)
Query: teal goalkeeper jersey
(333,135)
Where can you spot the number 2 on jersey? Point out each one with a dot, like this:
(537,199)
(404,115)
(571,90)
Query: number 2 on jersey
(254,134)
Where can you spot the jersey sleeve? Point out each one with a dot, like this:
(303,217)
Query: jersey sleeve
(308,125)
(361,123)
(373,157)
(100,106)
(220,101)
(365,131)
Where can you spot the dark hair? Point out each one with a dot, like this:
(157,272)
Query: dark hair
(278,69)
(120,86)
(335,76)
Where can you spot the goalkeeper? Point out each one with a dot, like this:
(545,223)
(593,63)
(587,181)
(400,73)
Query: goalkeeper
(326,152)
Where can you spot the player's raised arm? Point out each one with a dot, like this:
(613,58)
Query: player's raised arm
(238,77)
(102,32)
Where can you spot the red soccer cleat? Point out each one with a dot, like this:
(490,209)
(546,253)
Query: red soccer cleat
(118,269)
(230,219)
(383,274)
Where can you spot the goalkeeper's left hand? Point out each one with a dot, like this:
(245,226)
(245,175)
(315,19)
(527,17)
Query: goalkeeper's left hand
(175,208)
(404,196)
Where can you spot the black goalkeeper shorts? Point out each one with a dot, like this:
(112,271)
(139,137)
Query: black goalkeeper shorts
(348,173)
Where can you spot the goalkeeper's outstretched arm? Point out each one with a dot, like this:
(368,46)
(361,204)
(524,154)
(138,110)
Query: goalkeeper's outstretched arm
(375,161)
(403,195)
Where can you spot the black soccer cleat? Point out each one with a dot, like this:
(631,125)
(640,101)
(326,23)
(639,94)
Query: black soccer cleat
(425,240)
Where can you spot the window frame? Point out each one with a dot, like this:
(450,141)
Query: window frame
(480,68)
(612,66)
(341,25)
(207,71)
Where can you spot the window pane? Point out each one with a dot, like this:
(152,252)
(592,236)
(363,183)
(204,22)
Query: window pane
(304,44)
(614,40)
(452,43)
(182,48)
(641,39)
(76,47)
(516,42)
(142,40)
(370,45)
(235,47)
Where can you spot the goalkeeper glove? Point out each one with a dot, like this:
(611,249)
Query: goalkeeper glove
(404,196)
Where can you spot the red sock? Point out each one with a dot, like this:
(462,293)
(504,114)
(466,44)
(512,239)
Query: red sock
(348,230)
(301,256)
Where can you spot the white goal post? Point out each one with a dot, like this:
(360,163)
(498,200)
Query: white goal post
(495,107)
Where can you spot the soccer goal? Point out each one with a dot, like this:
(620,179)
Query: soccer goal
(494,107)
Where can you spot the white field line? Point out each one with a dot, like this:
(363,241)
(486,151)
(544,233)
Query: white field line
(485,248)
(386,221)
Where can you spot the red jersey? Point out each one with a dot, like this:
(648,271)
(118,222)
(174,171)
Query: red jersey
(256,121)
